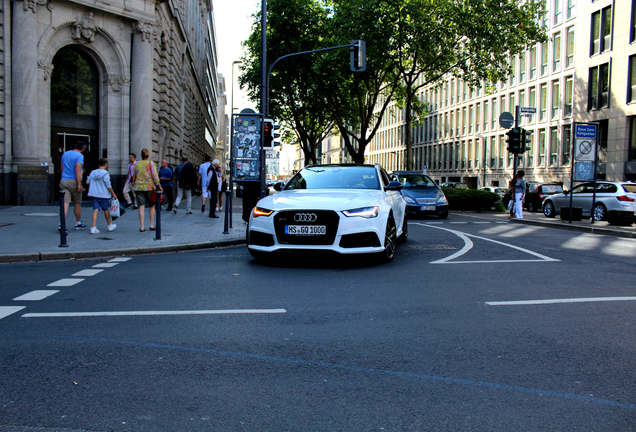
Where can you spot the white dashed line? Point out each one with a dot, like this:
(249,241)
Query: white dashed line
(87,272)
(105,265)
(120,259)
(565,300)
(458,222)
(152,313)
(482,222)
(36,295)
(5,311)
(65,282)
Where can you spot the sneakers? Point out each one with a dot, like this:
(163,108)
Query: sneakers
(218,209)
(221,208)
(94,230)
(111,227)
(189,212)
(174,210)
(79,226)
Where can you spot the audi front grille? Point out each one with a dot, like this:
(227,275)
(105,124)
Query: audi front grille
(328,218)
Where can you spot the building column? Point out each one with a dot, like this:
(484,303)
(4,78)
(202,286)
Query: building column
(141,89)
(32,181)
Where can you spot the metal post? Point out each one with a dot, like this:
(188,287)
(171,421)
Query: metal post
(63,232)
(514,161)
(158,216)
(263,87)
(595,168)
(228,212)
(572,158)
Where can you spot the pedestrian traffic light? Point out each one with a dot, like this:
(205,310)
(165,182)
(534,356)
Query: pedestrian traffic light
(358,53)
(514,140)
(526,138)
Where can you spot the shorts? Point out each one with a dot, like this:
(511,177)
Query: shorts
(101,204)
(70,187)
(143,198)
(205,193)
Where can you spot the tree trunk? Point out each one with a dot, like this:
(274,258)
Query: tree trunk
(408,130)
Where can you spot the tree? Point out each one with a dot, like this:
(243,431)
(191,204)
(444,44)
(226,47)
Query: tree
(296,95)
(471,39)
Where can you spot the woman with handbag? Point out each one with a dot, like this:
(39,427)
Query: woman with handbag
(146,182)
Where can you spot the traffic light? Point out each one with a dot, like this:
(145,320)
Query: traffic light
(358,54)
(514,140)
(269,135)
(525,140)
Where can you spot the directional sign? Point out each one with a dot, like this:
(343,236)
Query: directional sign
(585,137)
(506,120)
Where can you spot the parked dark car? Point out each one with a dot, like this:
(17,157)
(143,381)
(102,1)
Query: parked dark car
(537,192)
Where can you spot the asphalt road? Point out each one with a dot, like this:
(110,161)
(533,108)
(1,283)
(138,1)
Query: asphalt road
(332,345)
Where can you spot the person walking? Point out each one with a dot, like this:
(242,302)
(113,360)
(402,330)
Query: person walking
(213,187)
(71,167)
(146,181)
(128,188)
(202,181)
(165,177)
(186,179)
(219,182)
(519,194)
(223,189)
(101,190)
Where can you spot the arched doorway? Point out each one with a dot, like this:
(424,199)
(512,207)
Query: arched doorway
(74,107)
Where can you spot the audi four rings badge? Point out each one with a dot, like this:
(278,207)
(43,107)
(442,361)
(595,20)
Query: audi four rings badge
(305,217)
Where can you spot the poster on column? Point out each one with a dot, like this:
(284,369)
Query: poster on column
(246,147)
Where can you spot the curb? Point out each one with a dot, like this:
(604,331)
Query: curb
(590,229)
(53,256)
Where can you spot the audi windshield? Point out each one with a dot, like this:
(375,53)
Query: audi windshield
(335,177)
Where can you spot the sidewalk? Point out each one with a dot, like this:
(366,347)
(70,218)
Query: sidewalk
(29,233)
(584,225)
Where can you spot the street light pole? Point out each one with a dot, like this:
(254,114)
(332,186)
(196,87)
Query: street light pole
(235,62)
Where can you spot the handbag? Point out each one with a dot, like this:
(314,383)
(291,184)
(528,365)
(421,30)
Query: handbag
(114,208)
(153,197)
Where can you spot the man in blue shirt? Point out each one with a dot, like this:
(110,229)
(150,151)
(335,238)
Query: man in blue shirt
(72,165)
(165,177)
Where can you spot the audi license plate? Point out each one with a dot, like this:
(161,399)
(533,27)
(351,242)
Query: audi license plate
(306,229)
(428,208)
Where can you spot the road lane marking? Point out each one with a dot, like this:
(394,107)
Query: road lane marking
(36,295)
(87,272)
(468,244)
(482,222)
(67,282)
(154,313)
(564,300)
(120,259)
(458,222)
(5,311)
(105,265)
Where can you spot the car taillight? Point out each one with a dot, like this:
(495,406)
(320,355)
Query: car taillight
(625,198)
(541,196)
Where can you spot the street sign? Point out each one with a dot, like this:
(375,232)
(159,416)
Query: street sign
(583,171)
(585,137)
(527,110)
(506,120)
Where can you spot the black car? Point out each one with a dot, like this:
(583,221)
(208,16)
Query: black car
(423,196)
(536,193)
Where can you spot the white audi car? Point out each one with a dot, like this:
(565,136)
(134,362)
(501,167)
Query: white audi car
(348,209)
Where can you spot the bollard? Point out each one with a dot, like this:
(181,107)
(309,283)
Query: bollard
(228,203)
(63,233)
(228,212)
(158,216)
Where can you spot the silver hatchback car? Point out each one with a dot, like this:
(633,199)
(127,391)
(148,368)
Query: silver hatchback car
(611,197)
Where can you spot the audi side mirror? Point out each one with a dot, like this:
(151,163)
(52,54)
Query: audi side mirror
(394,186)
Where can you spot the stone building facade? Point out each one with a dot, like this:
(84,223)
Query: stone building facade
(585,71)
(120,75)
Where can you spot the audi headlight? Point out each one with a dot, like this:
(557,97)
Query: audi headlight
(365,212)
(409,200)
(259,211)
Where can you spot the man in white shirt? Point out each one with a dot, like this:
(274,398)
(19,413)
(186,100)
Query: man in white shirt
(203,181)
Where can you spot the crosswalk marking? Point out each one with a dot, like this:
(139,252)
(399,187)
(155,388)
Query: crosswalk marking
(36,295)
(105,265)
(5,311)
(87,272)
(120,259)
(67,282)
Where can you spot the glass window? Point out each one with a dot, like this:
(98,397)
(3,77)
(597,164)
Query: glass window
(632,29)
(485,115)
(569,47)
(493,151)
(544,16)
(571,8)
(543,101)
(493,113)
(567,145)
(512,104)
(74,83)
(554,145)
(522,67)
(595,39)
(544,58)
(606,29)
(500,151)
(502,104)
(631,85)
(632,138)
(569,95)
(598,87)
(532,97)
(522,98)
(477,117)
(471,114)
(530,151)
(513,70)
(541,147)
(533,62)
(556,98)
(335,177)
(463,154)
(556,52)
(603,84)
(471,150)
(557,11)
(464,120)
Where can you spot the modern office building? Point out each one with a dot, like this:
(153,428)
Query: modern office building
(120,75)
(585,71)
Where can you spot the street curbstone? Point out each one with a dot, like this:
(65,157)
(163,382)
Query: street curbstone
(566,226)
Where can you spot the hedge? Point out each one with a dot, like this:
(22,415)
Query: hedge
(470,199)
